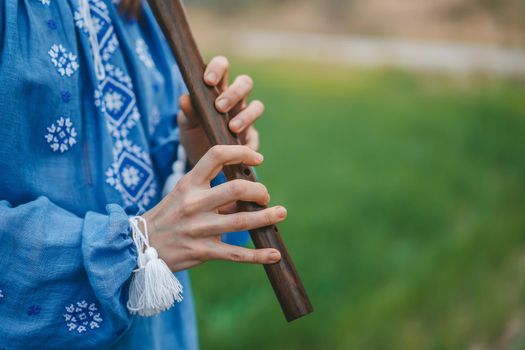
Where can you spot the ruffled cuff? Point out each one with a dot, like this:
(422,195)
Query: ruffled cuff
(109,257)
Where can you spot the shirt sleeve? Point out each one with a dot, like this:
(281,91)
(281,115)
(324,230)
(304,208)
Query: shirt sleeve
(2,25)
(64,279)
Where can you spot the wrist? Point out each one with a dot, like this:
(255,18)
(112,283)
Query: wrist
(152,230)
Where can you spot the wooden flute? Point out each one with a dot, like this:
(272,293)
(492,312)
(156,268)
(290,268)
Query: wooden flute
(283,276)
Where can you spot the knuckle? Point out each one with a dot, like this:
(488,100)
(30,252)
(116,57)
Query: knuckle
(183,184)
(235,93)
(199,253)
(217,152)
(189,205)
(264,191)
(239,222)
(195,229)
(237,188)
(205,254)
(268,218)
(236,256)
(184,211)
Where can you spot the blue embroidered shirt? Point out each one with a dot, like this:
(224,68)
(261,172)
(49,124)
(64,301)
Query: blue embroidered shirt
(85,141)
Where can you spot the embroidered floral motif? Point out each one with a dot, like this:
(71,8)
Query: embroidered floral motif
(116,100)
(33,310)
(66,96)
(64,61)
(113,101)
(45,2)
(51,24)
(107,40)
(62,135)
(81,317)
(143,53)
(131,174)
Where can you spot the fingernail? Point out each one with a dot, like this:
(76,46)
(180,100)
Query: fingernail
(259,157)
(222,104)
(275,257)
(237,124)
(281,212)
(211,78)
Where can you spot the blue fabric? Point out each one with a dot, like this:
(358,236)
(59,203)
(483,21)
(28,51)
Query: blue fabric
(79,154)
(235,238)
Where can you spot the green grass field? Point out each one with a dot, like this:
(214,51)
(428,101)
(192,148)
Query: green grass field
(406,200)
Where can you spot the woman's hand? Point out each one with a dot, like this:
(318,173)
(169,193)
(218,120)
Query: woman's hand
(233,99)
(185,227)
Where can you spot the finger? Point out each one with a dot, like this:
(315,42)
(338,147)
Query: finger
(234,94)
(188,118)
(242,221)
(236,190)
(223,251)
(251,139)
(218,156)
(247,117)
(217,72)
(229,208)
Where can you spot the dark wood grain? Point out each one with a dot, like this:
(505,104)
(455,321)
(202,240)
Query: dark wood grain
(283,276)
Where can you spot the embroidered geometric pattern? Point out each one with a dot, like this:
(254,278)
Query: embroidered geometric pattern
(131,174)
(81,317)
(64,61)
(62,135)
(107,40)
(143,53)
(116,100)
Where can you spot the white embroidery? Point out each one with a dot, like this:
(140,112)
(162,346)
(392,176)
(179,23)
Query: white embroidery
(131,171)
(154,120)
(143,53)
(113,101)
(1,294)
(64,61)
(81,317)
(45,2)
(107,40)
(116,100)
(62,135)
(131,174)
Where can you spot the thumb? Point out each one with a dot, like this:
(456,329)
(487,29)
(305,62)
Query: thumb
(187,118)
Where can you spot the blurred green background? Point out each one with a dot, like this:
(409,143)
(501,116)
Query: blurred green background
(406,199)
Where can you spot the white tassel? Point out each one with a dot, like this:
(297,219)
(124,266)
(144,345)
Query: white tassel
(178,170)
(154,288)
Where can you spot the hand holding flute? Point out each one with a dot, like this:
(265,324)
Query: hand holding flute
(283,276)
